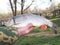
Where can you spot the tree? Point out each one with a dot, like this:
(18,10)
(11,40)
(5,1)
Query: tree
(15,3)
(11,5)
(13,8)
(22,5)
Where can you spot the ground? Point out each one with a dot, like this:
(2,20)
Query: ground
(38,37)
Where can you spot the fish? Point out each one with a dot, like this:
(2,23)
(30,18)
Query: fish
(25,19)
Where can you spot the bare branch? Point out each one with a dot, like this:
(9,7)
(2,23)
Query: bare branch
(29,5)
(22,5)
(19,3)
(50,0)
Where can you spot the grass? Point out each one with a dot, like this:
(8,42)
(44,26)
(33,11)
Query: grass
(41,39)
(38,40)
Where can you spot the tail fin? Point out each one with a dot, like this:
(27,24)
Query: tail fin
(54,28)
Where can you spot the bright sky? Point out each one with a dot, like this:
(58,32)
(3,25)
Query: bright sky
(42,4)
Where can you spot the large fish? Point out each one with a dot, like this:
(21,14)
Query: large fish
(21,22)
(24,24)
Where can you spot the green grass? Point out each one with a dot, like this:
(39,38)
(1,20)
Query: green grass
(38,40)
(41,39)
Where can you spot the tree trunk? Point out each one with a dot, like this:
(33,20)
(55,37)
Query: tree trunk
(15,9)
(11,6)
(22,6)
